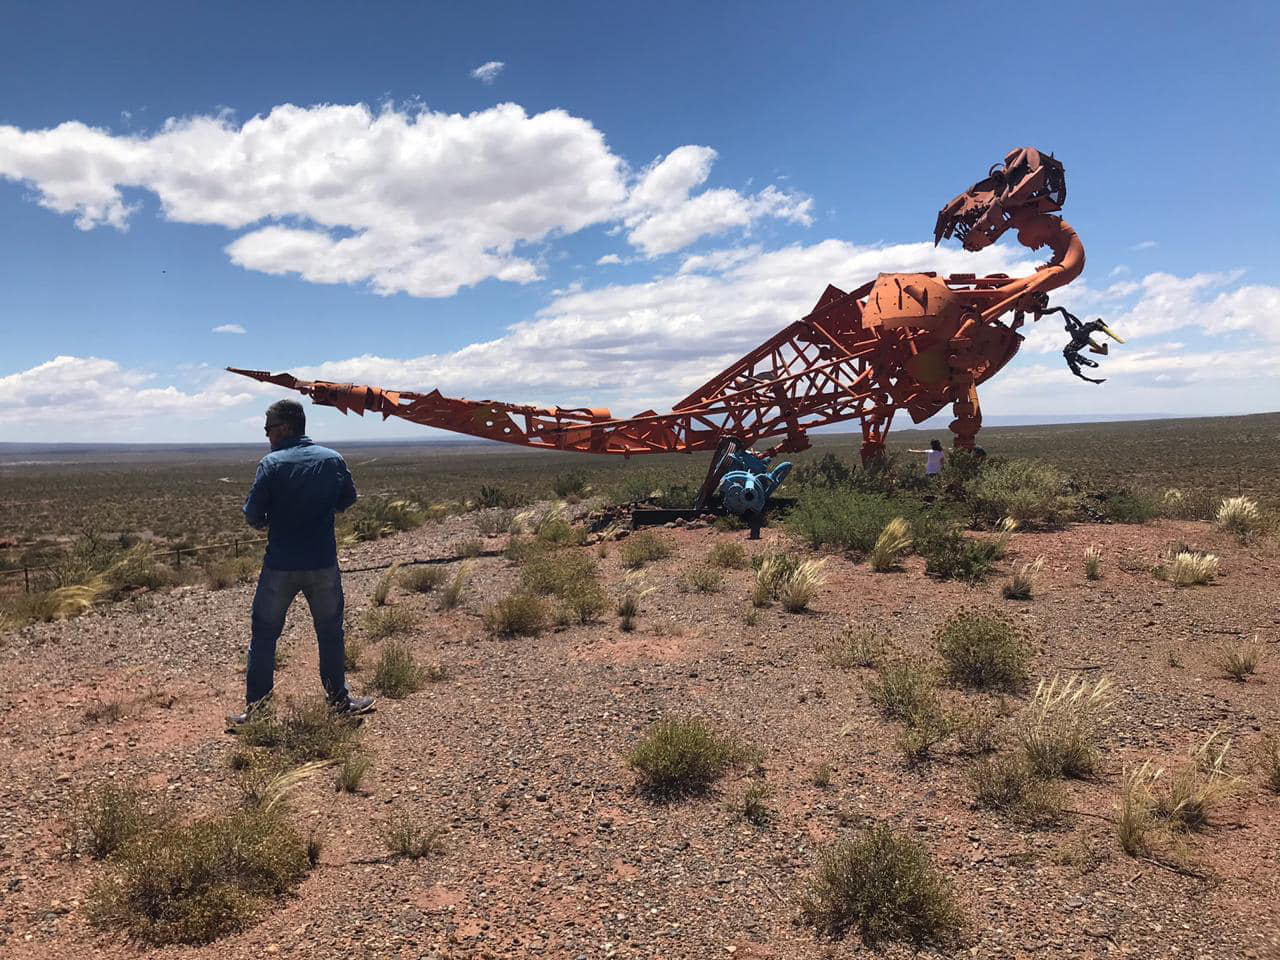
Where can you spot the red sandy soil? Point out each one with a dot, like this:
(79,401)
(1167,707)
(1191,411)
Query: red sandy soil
(551,850)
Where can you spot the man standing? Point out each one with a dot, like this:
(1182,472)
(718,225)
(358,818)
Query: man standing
(299,487)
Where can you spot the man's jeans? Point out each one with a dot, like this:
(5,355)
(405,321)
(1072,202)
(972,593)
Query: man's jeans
(276,590)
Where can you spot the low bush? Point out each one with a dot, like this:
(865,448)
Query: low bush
(106,816)
(396,674)
(681,756)
(1268,759)
(1196,789)
(728,554)
(406,837)
(1129,506)
(225,573)
(633,591)
(351,772)
(702,579)
(518,614)
(1060,731)
(644,547)
(494,523)
(984,649)
(904,689)
(1186,569)
(192,883)
(976,730)
(381,622)
(571,483)
(469,548)
(883,886)
(422,579)
(845,518)
(950,555)
(754,807)
(858,647)
(1007,783)
(375,517)
(491,496)
(1029,491)
(382,589)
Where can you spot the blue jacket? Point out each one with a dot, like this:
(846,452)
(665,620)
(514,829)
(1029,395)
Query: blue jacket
(294,497)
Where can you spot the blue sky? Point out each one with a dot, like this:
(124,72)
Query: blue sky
(338,181)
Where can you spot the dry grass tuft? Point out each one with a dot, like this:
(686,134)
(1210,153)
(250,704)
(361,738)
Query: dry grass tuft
(891,546)
(1008,783)
(354,766)
(1185,569)
(1240,659)
(101,819)
(1268,758)
(383,588)
(1197,788)
(633,591)
(1093,562)
(904,689)
(798,590)
(451,594)
(1238,516)
(1060,730)
(884,886)
(267,792)
(1134,812)
(1019,586)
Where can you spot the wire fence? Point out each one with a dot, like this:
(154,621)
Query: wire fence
(26,570)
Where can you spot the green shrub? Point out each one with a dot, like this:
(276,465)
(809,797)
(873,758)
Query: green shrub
(396,674)
(644,547)
(571,483)
(354,766)
(1129,506)
(1030,492)
(950,555)
(754,807)
(492,524)
(858,647)
(682,756)
(558,573)
(845,518)
(883,886)
(830,471)
(375,517)
(491,496)
(984,649)
(192,883)
(518,614)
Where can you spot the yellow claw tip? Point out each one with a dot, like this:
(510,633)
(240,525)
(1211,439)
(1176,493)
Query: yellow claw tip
(1112,334)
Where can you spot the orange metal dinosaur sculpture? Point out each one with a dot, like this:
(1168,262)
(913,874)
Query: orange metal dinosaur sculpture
(915,342)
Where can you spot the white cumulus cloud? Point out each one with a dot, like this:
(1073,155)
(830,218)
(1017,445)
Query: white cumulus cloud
(486,73)
(664,216)
(228,328)
(607,259)
(405,200)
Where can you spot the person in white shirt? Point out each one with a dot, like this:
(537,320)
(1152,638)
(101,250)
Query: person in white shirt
(932,462)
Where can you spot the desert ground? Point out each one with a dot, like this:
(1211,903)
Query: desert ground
(551,847)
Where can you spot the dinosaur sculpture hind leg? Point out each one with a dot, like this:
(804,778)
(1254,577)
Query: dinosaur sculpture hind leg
(968,420)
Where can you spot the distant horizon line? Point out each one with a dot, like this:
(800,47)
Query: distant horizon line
(992,422)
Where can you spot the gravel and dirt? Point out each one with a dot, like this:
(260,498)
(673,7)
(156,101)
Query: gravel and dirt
(550,849)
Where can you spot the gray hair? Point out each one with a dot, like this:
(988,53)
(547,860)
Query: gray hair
(289,412)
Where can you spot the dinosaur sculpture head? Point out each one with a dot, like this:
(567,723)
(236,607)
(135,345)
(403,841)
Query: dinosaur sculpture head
(1027,182)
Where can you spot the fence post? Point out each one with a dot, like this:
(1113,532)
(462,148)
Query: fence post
(235,543)
(26,579)
(177,556)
